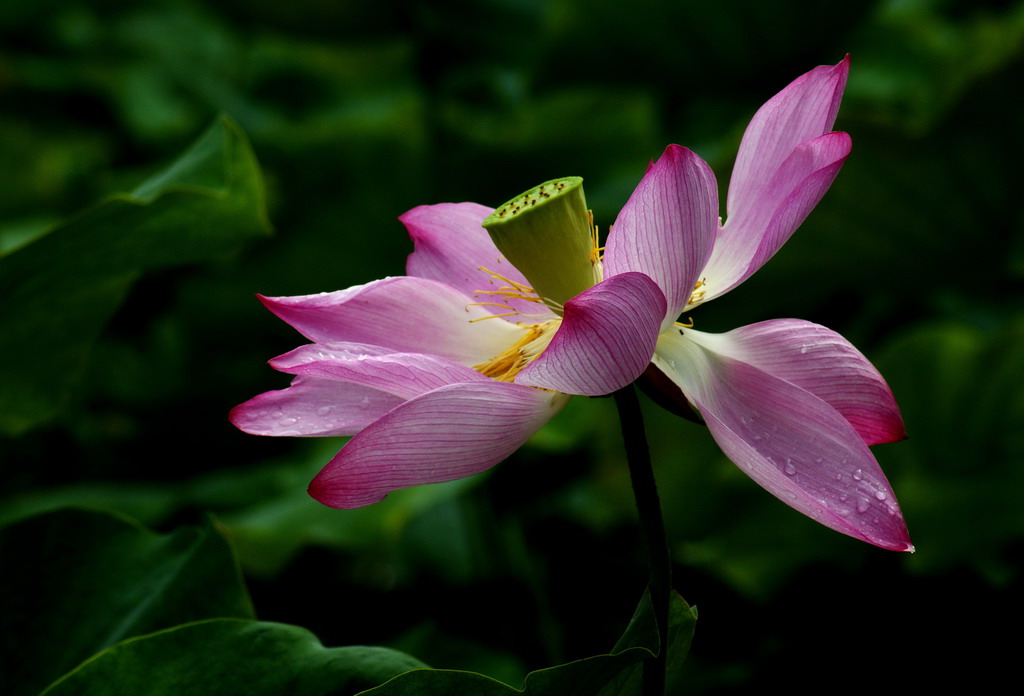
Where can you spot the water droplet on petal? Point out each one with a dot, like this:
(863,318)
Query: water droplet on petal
(324,410)
(858,474)
(790,468)
(288,421)
(803,349)
(862,505)
(880,495)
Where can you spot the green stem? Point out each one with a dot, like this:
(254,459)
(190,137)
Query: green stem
(645,491)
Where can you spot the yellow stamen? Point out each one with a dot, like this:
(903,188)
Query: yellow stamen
(493,316)
(505,366)
(491,304)
(595,240)
(507,292)
(697,296)
(513,285)
(513,291)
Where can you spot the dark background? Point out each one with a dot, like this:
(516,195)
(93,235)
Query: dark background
(358,111)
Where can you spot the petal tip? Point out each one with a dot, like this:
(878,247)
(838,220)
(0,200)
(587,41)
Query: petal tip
(901,546)
(898,542)
(679,152)
(235,417)
(676,150)
(411,217)
(241,417)
(269,302)
(341,499)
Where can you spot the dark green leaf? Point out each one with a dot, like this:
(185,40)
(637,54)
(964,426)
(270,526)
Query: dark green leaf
(614,674)
(60,289)
(85,580)
(232,657)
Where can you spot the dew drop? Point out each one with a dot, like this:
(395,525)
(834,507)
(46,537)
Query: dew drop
(858,474)
(790,468)
(803,349)
(324,410)
(863,504)
(880,495)
(288,421)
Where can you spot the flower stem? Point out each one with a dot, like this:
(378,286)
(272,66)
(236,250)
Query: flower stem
(645,491)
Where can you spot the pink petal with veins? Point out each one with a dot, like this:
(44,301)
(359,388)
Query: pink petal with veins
(312,407)
(750,238)
(606,339)
(667,227)
(446,434)
(451,247)
(406,375)
(404,314)
(790,441)
(821,361)
(802,111)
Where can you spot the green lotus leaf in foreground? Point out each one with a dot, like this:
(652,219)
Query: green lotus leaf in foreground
(86,580)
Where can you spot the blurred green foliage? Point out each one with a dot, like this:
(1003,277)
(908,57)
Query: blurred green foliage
(357,112)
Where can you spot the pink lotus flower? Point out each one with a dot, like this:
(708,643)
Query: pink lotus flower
(444,372)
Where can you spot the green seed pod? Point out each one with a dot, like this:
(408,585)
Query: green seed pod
(546,233)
